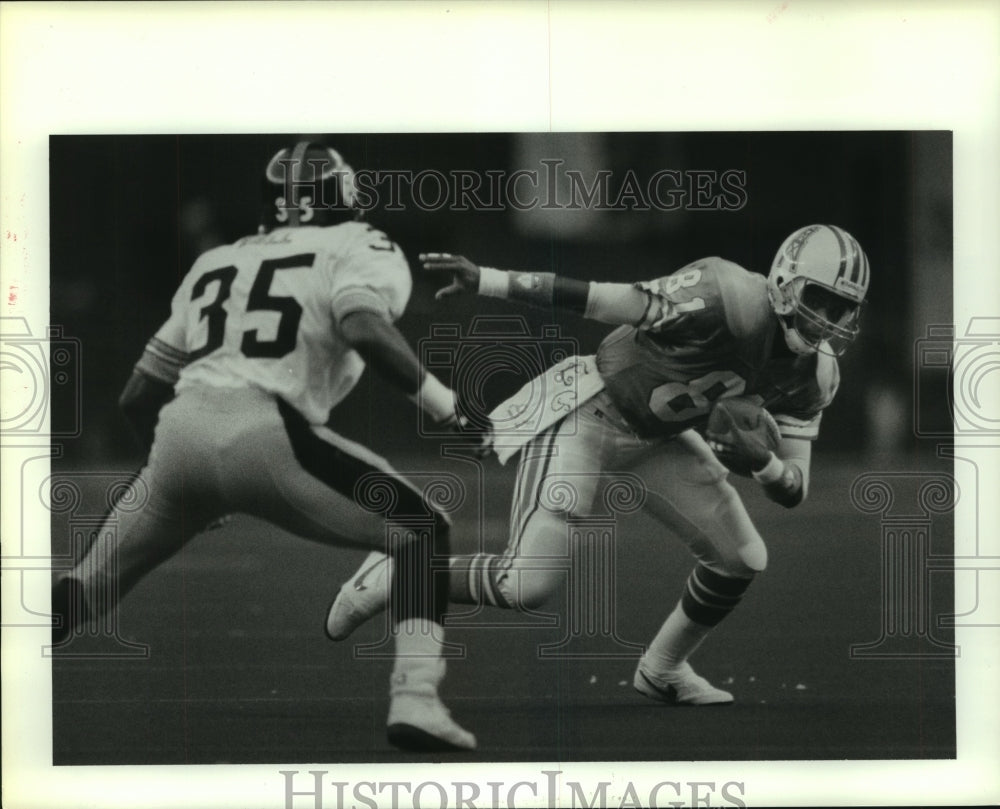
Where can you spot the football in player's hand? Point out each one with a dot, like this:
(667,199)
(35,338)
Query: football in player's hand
(742,434)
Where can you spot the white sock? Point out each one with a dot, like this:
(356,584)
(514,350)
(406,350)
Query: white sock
(674,643)
(419,666)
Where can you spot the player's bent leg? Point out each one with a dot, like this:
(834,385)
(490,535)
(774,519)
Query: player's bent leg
(317,480)
(482,579)
(417,718)
(130,543)
(306,480)
(689,494)
(510,583)
(110,570)
(664,672)
(402,581)
(171,499)
(513,580)
(472,579)
(479,579)
(557,477)
(507,581)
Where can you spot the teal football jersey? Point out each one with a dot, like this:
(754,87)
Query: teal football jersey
(710,333)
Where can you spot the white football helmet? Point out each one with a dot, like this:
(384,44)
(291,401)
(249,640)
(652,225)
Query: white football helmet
(817,284)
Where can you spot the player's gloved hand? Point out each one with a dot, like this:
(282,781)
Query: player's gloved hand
(442,405)
(464,274)
(742,435)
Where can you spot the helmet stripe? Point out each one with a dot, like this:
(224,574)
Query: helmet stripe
(843,251)
(856,266)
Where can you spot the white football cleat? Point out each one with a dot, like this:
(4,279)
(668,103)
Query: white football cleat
(420,722)
(364,595)
(680,687)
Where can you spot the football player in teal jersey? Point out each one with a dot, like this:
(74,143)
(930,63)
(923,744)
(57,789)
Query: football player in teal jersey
(706,332)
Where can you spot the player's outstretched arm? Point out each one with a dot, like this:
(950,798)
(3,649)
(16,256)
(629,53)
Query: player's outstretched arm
(385,349)
(616,304)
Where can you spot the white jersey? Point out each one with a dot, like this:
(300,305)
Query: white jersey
(264,312)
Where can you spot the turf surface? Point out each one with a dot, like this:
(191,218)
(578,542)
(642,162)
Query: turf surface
(239,670)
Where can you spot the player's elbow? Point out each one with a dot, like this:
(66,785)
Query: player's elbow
(132,396)
(794,499)
(126,401)
(790,490)
(802,492)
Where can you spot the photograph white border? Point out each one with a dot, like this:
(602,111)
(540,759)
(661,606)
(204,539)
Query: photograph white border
(117,68)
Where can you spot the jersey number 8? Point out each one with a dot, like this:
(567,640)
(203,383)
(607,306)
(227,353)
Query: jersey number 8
(682,401)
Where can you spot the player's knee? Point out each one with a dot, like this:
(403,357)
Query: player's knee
(750,551)
(754,555)
(746,559)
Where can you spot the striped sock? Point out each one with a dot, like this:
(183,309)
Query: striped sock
(708,598)
(474,580)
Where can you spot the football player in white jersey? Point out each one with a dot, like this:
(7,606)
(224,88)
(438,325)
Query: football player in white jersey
(231,396)
(709,331)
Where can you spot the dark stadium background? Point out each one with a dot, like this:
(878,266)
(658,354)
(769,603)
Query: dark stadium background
(130,213)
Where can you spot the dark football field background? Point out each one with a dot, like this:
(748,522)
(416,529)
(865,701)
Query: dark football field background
(239,669)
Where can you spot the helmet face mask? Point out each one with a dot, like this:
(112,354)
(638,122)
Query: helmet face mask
(817,287)
(823,320)
(308,184)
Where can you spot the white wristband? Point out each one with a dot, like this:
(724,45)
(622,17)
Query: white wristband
(435,398)
(772,472)
(493,283)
